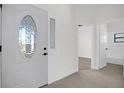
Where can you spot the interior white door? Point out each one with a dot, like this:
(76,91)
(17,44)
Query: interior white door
(102,45)
(18,70)
(0,44)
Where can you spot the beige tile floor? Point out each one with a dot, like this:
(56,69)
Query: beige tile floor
(109,77)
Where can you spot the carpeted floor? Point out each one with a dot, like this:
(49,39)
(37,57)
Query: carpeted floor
(109,77)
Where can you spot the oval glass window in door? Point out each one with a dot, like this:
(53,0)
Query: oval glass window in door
(27,36)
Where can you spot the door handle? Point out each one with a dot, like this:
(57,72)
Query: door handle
(45,54)
(106,48)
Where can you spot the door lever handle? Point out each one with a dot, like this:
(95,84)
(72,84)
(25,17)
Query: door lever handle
(45,54)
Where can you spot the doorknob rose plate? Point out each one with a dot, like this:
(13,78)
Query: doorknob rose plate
(45,48)
(45,54)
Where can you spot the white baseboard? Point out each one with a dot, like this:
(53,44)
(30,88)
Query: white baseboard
(118,61)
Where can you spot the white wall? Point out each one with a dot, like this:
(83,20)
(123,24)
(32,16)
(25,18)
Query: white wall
(85,39)
(63,60)
(115,52)
(94,13)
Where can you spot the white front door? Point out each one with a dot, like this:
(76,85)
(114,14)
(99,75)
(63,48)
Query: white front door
(23,62)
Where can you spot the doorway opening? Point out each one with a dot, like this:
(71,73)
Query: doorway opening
(85,46)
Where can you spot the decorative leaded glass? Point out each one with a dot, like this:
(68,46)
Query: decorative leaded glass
(27,36)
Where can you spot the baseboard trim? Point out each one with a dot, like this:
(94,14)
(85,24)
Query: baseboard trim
(43,86)
(64,77)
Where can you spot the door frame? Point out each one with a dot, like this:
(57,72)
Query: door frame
(97,53)
(1,46)
(95,60)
